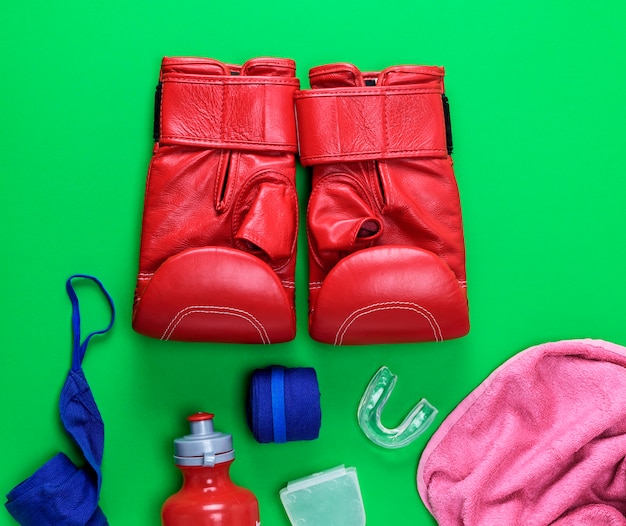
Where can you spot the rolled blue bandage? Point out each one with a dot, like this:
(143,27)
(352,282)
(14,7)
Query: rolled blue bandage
(284,404)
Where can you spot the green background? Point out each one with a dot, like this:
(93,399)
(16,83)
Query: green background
(537,99)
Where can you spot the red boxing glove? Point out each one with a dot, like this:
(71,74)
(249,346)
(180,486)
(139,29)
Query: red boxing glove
(217,255)
(386,249)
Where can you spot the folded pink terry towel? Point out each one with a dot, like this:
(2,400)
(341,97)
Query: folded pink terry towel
(542,441)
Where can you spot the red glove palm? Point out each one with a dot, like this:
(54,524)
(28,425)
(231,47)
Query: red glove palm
(386,249)
(217,254)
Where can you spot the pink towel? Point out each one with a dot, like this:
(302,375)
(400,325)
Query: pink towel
(542,441)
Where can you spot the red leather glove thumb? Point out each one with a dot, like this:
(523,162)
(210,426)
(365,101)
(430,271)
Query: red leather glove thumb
(268,229)
(341,221)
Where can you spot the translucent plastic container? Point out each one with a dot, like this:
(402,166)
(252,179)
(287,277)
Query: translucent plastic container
(328,498)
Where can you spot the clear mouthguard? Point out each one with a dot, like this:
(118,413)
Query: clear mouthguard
(372,404)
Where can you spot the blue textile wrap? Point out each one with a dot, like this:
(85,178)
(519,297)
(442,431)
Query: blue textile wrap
(284,404)
(60,493)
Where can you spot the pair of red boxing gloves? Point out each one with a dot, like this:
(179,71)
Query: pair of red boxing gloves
(220,223)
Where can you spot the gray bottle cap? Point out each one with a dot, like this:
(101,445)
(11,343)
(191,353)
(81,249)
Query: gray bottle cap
(204,446)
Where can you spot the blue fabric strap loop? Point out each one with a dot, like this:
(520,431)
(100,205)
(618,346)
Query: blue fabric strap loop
(80,347)
(278,404)
(284,404)
(60,493)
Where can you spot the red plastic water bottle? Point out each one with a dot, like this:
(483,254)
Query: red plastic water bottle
(208,496)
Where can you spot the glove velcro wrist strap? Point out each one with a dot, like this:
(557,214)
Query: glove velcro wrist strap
(227,112)
(357,124)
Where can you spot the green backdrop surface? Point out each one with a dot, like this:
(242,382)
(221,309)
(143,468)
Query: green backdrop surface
(537,99)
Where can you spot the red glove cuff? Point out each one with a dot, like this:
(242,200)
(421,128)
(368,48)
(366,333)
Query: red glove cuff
(239,113)
(373,123)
